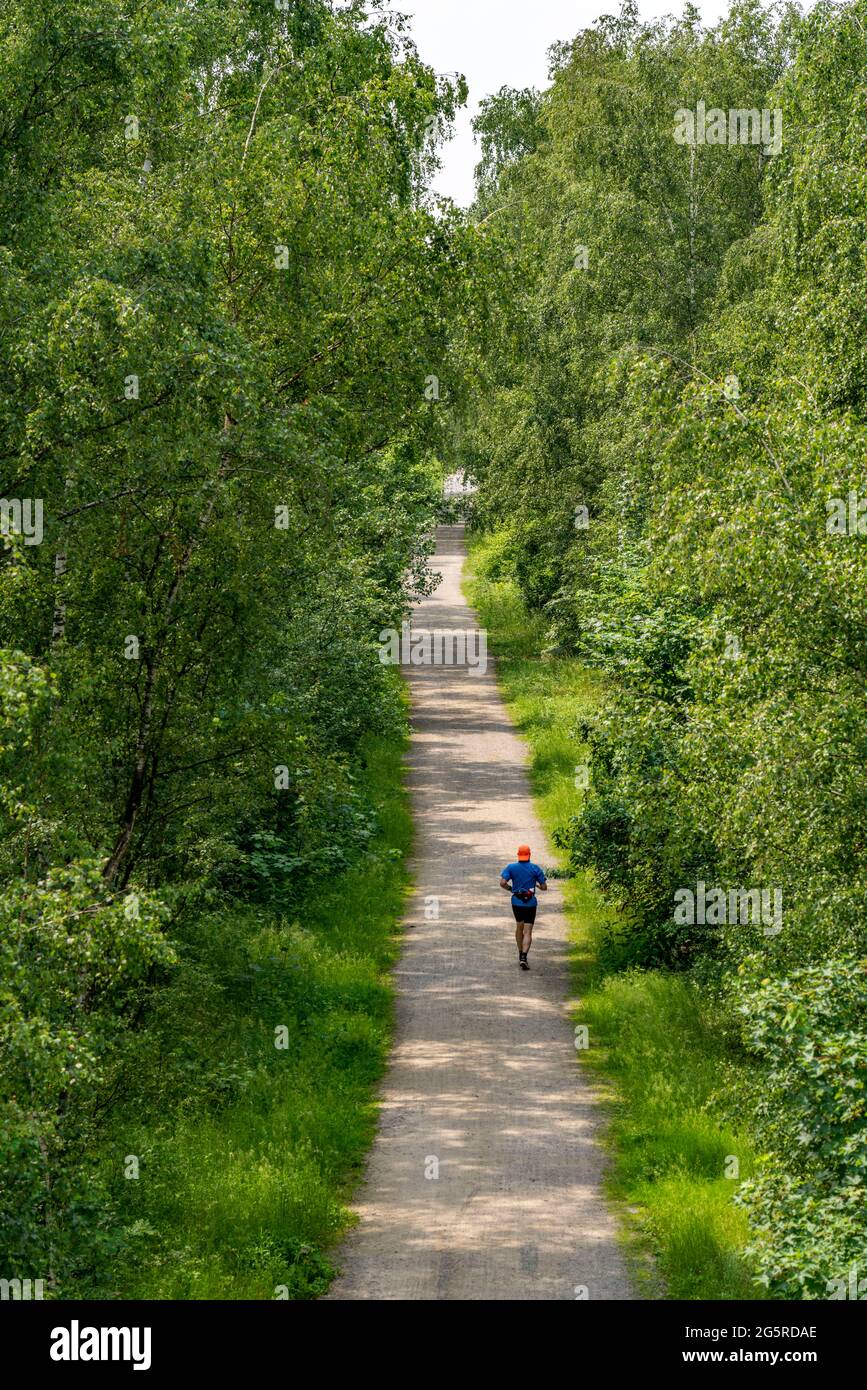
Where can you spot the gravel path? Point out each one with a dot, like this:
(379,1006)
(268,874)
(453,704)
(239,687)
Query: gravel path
(483,1086)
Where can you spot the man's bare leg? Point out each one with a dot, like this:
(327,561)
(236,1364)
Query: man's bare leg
(523,940)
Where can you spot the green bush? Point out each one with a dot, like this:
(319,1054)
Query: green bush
(806,1203)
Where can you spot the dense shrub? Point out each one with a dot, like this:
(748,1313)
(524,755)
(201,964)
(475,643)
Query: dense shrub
(676,403)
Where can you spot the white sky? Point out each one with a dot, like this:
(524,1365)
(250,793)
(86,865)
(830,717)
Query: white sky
(505,42)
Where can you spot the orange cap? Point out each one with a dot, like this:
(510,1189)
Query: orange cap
(523,851)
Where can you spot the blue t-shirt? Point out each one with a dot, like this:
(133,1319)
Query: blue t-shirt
(523,874)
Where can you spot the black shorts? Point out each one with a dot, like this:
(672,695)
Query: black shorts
(524,913)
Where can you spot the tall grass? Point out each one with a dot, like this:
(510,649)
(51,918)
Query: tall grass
(655,1055)
(246,1151)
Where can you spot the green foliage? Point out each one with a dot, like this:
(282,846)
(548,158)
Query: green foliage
(657,1050)
(223,286)
(659,430)
(72,957)
(507,128)
(808,1220)
(248,1151)
(245,1152)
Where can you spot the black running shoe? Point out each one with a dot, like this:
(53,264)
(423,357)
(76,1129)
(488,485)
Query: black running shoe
(524,963)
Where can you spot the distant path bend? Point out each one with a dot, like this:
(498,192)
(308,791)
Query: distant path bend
(483,1084)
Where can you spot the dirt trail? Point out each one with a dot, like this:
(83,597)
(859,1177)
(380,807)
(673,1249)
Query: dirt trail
(483,1078)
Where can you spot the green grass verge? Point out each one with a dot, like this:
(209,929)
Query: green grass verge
(247,1152)
(655,1054)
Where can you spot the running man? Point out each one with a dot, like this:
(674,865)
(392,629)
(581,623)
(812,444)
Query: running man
(521,879)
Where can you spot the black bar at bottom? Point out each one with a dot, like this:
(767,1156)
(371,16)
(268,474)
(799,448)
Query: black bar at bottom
(231,1339)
